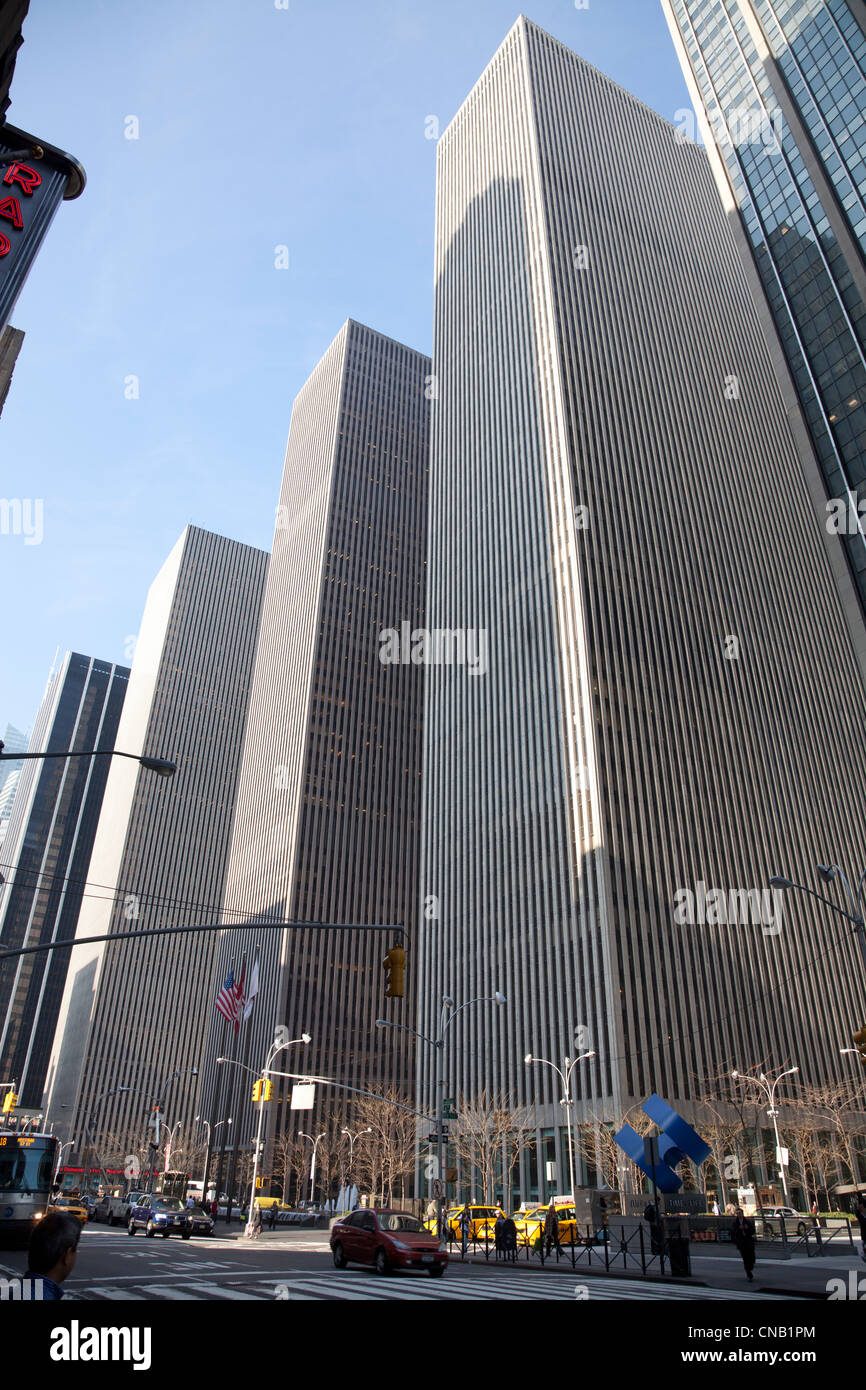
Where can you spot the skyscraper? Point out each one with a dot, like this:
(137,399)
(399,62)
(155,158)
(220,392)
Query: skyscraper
(14,741)
(46,856)
(326,828)
(617,501)
(780,88)
(134,1014)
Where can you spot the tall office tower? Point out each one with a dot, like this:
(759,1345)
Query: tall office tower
(326,828)
(46,856)
(672,701)
(136,1013)
(14,741)
(780,89)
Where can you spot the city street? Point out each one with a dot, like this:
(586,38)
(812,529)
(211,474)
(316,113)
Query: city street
(297,1265)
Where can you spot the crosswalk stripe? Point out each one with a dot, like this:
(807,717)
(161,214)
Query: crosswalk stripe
(109,1291)
(166,1291)
(224,1291)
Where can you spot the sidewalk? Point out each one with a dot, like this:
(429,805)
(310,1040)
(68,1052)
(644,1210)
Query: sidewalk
(799,1276)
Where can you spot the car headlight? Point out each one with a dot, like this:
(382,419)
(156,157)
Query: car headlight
(400,1245)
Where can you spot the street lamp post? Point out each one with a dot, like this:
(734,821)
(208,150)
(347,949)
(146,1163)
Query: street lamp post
(274,1049)
(352,1137)
(88,1129)
(770,1092)
(70,1144)
(438,1044)
(315,1144)
(567,1100)
(157,1110)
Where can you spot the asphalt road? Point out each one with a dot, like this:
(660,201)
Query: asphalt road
(112,1266)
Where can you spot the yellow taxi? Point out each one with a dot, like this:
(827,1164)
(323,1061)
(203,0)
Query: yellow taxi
(530,1224)
(482,1222)
(70,1206)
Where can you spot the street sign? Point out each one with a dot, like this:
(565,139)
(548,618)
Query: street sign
(437,1188)
(303,1096)
(449,1108)
(782,1157)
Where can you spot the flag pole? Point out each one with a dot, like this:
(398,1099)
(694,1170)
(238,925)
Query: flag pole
(235,1136)
(214,1111)
(222,1148)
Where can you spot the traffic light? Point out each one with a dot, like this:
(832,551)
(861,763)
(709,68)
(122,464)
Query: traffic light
(860,1040)
(267,1090)
(257,1090)
(394,966)
(9,1103)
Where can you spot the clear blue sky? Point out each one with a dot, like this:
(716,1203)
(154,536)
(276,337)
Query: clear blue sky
(258,127)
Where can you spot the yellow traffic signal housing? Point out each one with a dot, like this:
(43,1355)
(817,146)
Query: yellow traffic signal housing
(860,1040)
(394,966)
(257,1090)
(10,1102)
(268,1090)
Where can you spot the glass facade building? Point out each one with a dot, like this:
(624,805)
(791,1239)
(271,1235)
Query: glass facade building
(617,500)
(780,86)
(46,856)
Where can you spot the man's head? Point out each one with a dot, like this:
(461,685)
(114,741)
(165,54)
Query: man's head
(54,1246)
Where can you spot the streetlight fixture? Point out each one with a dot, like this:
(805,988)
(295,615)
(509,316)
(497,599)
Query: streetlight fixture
(857,901)
(352,1137)
(157,1110)
(163,767)
(446,1018)
(315,1144)
(770,1092)
(567,1100)
(274,1049)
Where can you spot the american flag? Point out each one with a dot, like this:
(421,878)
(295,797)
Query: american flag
(229,1001)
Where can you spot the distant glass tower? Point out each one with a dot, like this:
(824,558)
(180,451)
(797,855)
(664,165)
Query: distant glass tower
(780,88)
(327,820)
(46,857)
(617,500)
(134,1014)
(15,741)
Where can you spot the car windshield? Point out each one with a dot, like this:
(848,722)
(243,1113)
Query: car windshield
(197,1212)
(168,1204)
(483,1211)
(395,1221)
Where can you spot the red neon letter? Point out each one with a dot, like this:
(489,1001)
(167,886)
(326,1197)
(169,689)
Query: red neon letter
(23,174)
(5,245)
(10,208)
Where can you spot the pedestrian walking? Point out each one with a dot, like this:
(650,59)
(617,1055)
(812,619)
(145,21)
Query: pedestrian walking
(51,1257)
(551,1229)
(651,1217)
(509,1239)
(465,1228)
(743,1236)
(498,1229)
(272,1217)
(860,1213)
(254,1225)
(717,1211)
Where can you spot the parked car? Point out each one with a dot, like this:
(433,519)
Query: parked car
(795,1222)
(387,1240)
(157,1215)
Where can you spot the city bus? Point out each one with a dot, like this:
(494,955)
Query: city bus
(27,1163)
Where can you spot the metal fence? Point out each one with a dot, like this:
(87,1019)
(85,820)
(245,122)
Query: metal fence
(638,1249)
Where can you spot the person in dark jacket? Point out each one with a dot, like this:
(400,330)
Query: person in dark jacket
(509,1239)
(551,1229)
(743,1236)
(498,1235)
(272,1217)
(860,1213)
(51,1255)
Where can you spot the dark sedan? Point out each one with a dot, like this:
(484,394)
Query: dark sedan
(202,1221)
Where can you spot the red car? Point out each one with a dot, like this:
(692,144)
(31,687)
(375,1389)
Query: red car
(388,1240)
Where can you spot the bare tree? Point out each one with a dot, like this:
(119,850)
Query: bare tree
(384,1158)
(488,1136)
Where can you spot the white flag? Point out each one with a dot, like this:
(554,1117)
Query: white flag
(253,990)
